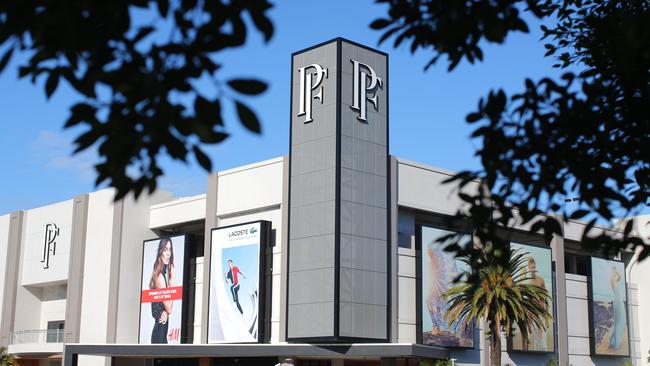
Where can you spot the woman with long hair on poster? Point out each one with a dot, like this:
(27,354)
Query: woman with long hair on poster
(620,319)
(161,277)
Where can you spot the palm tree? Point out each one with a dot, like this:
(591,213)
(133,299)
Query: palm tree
(5,358)
(498,293)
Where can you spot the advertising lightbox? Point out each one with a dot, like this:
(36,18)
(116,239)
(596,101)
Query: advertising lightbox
(608,308)
(539,271)
(237,282)
(163,286)
(439,270)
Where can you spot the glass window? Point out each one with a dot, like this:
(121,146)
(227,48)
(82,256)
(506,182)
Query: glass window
(55,331)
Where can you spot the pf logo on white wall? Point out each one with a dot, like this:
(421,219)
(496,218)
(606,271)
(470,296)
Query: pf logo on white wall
(49,243)
(365,85)
(311,77)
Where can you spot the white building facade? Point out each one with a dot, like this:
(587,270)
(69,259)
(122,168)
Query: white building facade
(342,269)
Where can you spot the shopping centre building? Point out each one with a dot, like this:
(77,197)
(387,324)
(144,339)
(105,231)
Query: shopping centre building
(326,256)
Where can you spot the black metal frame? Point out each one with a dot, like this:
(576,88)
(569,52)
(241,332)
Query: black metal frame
(265,231)
(186,282)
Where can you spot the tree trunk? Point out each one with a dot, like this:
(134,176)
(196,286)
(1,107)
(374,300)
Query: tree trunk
(495,344)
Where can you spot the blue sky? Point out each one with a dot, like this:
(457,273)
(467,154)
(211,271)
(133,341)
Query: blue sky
(427,109)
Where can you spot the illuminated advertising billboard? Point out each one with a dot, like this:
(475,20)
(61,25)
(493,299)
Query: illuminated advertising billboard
(608,308)
(237,283)
(539,272)
(163,286)
(439,269)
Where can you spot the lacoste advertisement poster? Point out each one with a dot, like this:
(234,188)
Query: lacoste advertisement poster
(539,272)
(233,314)
(439,269)
(161,300)
(608,308)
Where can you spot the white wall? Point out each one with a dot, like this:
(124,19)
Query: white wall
(406,296)
(250,187)
(639,275)
(198,299)
(97,264)
(421,187)
(178,211)
(33,271)
(4,242)
(640,355)
(53,304)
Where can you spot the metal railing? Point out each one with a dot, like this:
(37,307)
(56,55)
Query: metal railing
(38,336)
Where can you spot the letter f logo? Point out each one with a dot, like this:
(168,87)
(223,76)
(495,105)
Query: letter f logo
(310,81)
(364,87)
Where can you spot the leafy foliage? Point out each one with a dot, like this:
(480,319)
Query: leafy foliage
(133,78)
(5,358)
(584,135)
(500,295)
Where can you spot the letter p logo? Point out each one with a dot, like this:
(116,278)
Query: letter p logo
(310,81)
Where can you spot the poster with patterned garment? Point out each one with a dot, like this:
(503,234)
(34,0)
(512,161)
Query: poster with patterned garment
(439,269)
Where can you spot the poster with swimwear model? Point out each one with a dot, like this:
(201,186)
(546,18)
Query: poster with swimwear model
(609,332)
(439,269)
(161,298)
(234,309)
(538,271)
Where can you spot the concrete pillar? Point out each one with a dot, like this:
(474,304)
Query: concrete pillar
(11,276)
(76,269)
(284,243)
(392,189)
(210,222)
(557,247)
(113,289)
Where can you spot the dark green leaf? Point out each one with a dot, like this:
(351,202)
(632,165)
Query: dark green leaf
(208,112)
(5,59)
(51,83)
(473,117)
(202,158)
(142,33)
(248,118)
(248,86)
(264,25)
(380,23)
(163,7)
(81,112)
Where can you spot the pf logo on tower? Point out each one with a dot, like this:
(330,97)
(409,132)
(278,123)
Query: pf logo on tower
(49,243)
(365,85)
(311,77)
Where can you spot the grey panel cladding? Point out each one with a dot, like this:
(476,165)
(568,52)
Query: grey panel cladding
(338,266)
(363,268)
(310,305)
